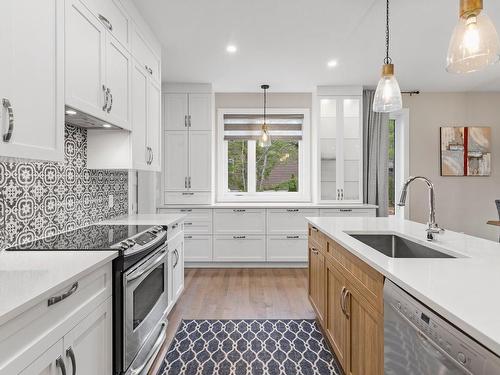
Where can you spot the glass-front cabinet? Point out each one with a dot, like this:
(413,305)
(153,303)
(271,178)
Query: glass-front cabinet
(340,148)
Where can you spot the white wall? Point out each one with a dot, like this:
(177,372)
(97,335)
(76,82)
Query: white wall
(255,100)
(464,204)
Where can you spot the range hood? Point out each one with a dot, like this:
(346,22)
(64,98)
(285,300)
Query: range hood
(81,119)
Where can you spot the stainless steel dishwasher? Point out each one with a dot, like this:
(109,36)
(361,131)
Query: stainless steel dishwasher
(417,341)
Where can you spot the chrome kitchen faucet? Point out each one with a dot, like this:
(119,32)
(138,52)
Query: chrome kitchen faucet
(432,227)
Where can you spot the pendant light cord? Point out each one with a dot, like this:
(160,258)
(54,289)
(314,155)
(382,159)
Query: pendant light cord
(265,105)
(387,59)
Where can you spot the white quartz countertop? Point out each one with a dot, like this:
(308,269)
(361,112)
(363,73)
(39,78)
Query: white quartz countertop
(28,277)
(463,290)
(272,205)
(145,219)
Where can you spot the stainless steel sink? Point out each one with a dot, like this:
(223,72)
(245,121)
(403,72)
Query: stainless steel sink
(398,247)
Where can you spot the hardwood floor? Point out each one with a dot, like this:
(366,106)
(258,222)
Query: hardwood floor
(240,294)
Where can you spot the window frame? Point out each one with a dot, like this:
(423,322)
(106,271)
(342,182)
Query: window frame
(304,175)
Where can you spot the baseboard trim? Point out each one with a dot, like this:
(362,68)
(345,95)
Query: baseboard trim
(245,265)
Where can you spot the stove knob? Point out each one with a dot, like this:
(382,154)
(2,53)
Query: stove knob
(462,358)
(124,245)
(130,242)
(159,228)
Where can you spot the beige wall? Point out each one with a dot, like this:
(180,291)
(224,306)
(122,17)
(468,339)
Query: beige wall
(255,100)
(464,204)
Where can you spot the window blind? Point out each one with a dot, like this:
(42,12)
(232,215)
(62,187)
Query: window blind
(248,127)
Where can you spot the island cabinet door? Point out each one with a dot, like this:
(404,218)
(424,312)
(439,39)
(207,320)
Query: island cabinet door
(336,319)
(366,336)
(317,281)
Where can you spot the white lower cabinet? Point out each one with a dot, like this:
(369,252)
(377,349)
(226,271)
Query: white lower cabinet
(289,220)
(287,248)
(176,249)
(197,248)
(240,220)
(74,332)
(240,248)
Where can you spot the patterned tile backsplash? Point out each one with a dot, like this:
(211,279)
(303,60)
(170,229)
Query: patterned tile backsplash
(44,198)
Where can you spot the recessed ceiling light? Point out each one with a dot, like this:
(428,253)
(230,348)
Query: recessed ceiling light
(70,112)
(106,126)
(231,48)
(332,63)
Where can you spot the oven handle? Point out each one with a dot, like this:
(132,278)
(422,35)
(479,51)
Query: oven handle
(154,350)
(136,274)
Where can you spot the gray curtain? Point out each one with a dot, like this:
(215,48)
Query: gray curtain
(375,157)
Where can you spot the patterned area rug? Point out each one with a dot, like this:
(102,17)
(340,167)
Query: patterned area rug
(240,347)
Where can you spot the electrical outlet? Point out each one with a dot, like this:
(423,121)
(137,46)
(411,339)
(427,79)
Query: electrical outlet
(110,201)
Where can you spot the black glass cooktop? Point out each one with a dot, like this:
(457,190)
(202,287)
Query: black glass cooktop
(93,237)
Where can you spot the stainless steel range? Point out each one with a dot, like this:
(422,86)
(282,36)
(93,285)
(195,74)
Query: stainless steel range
(140,286)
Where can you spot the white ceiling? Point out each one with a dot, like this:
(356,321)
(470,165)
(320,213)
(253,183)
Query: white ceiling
(287,43)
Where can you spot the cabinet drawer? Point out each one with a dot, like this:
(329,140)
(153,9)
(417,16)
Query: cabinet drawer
(240,248)
(346,212)
(317,238)
(197,248)
(187,197)
(28,335)
(367,280)
(145,55)
(240,221)
(287,248)
(114,18)
(288,220)
(198,221)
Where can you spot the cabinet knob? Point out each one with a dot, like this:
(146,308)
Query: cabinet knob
(10,112)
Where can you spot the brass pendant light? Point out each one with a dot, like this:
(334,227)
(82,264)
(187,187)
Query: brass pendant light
(265,137)
(474,44)
(388,95)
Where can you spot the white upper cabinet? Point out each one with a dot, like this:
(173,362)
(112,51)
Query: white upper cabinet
(176,111)
(191,111)
(139,117)
(340,147)
(32,79)
(200,110)
(154,126)
(113,17)
(144,54)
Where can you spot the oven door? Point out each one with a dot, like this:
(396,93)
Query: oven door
(146,300)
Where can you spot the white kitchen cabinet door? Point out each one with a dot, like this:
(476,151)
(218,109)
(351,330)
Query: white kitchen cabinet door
(91,343)
(176,160)
(118,72)
(113,17)
(144,54)
(288,248)
(197,248)
(139,117)
(32,79)
(176,111)
(200,165)
(239,248)
(200,111)
(176,249)
(85,60)
(154,125)
(46,363)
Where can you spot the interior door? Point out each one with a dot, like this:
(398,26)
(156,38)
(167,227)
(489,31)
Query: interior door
(139,117)
(154,125)
(200,111)
(176,160)
(200,160)
(176,110)
(336,321)
(32,79)
(118,71)
(46,363)
(90,343)
(85,56)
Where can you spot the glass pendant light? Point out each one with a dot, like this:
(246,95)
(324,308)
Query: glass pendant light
(474,43)
(265,137)
(388,95)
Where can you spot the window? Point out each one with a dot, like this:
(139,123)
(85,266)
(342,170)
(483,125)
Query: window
(254,173)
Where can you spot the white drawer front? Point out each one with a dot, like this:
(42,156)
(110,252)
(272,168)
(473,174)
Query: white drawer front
(187,197)
(197,248)
(240,221)
(288,220)
(240,248)
(197,227)
(197,221)
(288,248)
(345,212)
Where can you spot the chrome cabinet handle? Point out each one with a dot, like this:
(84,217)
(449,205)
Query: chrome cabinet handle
(154,350)
(53,300)
(71,354)
(314,250)
(136,274)
(106,98)
(147,155)
(60,364)
(338,194)
(188,237)
(292,237)
(341,194)
(152,156)
(189,121)
(10,111)
(239,210)
(185,121)
(106,22)
(187,193)
(176,253)
(345,210)
(314,229)
(186,210)
(111,101)
(292,210)
(239,237)
(345,294)
(342,299)
(189,182)
(185,182)
(148,69)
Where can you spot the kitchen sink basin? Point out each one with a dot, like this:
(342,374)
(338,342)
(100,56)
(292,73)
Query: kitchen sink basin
(398,247)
